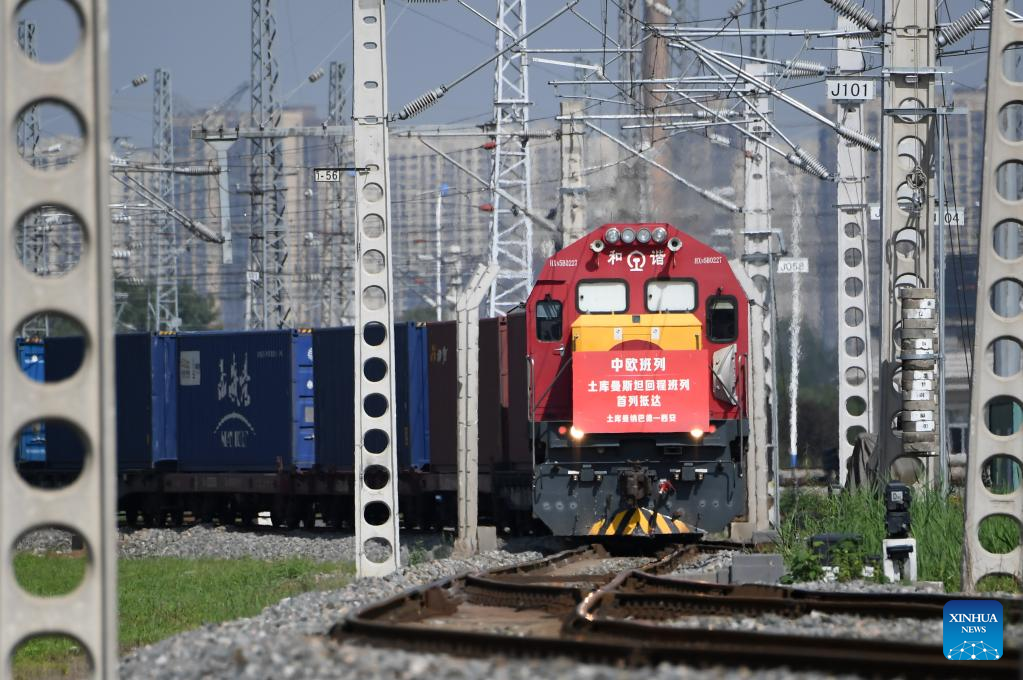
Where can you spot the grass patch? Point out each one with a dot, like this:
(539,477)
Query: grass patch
(161,596)
(937,526)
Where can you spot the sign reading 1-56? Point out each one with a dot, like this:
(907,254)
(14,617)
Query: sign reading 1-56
(848,89)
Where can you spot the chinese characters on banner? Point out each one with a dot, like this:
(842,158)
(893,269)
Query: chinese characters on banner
(641,391)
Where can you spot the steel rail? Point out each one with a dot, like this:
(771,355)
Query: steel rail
(541,609)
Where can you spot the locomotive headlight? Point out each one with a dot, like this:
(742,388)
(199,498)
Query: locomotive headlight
(575,433)
(612,236)
(696,433)
(643,235)
(628,236)
(660,234)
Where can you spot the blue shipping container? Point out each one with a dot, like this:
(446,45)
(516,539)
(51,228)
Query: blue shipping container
(235,404)
(335,396)
(411,355)
(64,447)
(133,381)
(32,442)
(303,388)
(146,400)
(164,398)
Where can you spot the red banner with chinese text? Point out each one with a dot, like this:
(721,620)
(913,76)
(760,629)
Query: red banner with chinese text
(641,391)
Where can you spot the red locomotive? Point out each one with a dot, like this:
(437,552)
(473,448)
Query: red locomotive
(637,352)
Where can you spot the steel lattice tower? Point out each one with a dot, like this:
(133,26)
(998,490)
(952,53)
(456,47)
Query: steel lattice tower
(32,237)
(267,296)
(334,251)
(632,173)
(165,303)
(511,234)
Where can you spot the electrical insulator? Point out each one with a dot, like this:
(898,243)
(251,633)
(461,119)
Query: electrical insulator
(423,102)
(661,7)
(315,75)
(808,164)
(801,68)
(195,170)
(961,27)
(487,207)
(858,138)
(736,8)
(139,80)
(855,13)
(490,145)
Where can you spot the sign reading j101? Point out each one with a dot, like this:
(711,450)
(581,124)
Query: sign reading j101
(850,90)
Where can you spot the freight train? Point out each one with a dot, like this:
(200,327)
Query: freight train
(227,425)
(637,353)
(611,403)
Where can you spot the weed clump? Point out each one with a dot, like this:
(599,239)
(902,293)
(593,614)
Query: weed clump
(937,518)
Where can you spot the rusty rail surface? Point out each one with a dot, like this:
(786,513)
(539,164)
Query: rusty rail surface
(548,608)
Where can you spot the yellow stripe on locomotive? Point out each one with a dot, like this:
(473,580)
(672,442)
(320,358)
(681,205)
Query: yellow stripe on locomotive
(604,332)
(639,522)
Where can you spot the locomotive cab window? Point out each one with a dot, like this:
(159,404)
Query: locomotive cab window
(548,320)
(722,318)
(602,297)
(671,295)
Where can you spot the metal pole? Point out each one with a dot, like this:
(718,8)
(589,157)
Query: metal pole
(939,293)
(438,286)
(335,283)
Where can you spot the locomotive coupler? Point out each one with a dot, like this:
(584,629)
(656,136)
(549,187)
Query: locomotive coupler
(634,483)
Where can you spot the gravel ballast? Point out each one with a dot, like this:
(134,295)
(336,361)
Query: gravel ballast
(205,541)
(288,639)
(224,543)
(819,624)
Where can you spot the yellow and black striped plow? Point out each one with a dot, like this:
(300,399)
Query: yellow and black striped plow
(639,522)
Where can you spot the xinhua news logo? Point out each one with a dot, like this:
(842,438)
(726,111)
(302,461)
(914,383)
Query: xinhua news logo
(972,630)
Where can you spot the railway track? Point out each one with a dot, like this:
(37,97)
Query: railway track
(592,607)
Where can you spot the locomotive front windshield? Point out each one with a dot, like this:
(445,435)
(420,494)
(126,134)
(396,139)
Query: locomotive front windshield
(672,295)
(602,297)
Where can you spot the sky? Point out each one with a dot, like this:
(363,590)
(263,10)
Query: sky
(204,44)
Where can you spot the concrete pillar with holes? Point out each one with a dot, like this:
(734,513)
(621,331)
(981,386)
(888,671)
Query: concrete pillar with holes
(993,490)
(855,386)
(376,485)
(83,294)
(907,209)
